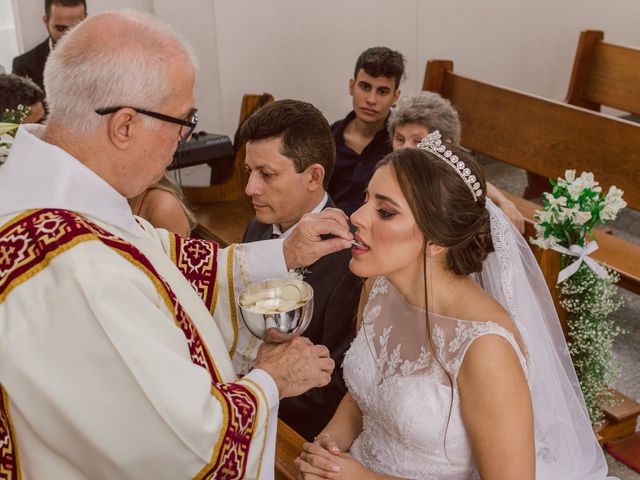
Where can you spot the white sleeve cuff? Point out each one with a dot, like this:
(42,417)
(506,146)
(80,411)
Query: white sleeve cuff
(265,259)
(267,384)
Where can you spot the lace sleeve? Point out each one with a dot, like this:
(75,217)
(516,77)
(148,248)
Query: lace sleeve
(466,332)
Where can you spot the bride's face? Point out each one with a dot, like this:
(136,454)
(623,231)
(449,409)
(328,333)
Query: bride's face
(386,226)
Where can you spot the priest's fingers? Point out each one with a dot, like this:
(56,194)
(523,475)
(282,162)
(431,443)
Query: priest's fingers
(321,350)
(316,235)
(326,365)
(296,366)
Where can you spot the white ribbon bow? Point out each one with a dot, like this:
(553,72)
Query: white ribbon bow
(583,256)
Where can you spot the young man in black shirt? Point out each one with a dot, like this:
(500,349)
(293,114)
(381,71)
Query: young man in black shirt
(361,137)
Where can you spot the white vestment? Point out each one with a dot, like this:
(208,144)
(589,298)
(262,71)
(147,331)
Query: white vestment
(98,379)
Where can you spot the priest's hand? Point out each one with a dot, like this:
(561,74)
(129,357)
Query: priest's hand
(296,366)
(317,235)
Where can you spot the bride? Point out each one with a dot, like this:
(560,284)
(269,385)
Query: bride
(459,369)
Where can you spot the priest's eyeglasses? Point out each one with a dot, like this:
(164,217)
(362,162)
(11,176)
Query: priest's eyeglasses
(189,123)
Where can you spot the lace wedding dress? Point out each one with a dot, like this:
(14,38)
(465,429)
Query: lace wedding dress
(412,424)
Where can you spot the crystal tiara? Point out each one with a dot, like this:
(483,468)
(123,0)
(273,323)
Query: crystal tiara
(433,144)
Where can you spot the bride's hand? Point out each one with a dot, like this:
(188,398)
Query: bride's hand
(348,468)
(317,459)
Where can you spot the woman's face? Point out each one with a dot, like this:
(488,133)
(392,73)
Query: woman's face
(387,228)
(408,135)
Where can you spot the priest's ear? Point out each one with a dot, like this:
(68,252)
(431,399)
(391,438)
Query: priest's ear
(314,177)
(122,125)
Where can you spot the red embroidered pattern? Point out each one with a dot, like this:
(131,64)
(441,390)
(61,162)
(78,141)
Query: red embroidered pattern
(9,469)
(197,260)
(240,427)
(27,245)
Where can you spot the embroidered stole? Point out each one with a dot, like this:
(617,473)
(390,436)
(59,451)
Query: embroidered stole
(29,242)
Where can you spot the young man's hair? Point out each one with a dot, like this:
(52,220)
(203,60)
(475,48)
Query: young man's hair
(62,3)
(306,135)
(381,62)
(15,90)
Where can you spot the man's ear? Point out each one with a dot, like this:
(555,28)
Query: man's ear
(396,95)
(121,127)
(45,20)
(352,84)
(315,176)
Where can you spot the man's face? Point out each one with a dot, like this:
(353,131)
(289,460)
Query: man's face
(408,135)
(372,96)
(279,194)
(62,19)
(154,145)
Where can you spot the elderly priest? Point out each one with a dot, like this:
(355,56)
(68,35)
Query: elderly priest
(116,339)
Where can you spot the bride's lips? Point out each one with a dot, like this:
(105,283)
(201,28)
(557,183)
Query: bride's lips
(359,247)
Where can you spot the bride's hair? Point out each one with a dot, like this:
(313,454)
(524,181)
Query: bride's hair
(444,208)
(447,213)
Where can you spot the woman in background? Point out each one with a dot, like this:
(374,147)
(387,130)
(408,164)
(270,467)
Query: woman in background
(163,205)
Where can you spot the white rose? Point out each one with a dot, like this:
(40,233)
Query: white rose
(564,213)
(588,180)
(576,188)
(570,175)
(555,202)
(544,216)
(608,213)
(580,217)
(545,243)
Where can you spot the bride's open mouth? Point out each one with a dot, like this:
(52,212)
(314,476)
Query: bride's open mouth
(358,246)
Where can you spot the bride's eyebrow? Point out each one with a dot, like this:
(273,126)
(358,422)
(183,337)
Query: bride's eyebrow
(384,198)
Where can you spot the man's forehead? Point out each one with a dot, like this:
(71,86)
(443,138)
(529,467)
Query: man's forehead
(266,154)
(67,14)
(380,81)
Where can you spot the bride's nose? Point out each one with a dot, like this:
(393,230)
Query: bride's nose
(357,217)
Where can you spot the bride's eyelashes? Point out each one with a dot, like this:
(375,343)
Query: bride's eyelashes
(385,214)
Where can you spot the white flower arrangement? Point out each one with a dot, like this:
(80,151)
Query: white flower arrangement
(587,289)
(9,123)
(572,209)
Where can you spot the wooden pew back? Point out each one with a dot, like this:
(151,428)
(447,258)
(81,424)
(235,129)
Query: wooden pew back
(542,136)
(223,210)
(605,74)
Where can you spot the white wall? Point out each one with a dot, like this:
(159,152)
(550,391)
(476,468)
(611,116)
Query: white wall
(306,49)
(8,38)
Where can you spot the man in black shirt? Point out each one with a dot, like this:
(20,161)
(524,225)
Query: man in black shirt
(361,137)
(289,156)
(59,16)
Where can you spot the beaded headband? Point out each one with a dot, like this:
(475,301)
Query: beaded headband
(433,144)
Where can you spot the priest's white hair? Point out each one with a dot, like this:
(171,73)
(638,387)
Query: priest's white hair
(112,59)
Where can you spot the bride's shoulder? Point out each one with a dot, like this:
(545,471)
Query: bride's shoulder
(479,307)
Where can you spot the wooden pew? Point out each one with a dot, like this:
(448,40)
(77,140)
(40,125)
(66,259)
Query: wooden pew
(603,74)
(546,137)
(223,210)
(288,447)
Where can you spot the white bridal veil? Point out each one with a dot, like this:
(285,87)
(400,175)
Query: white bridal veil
(565,442)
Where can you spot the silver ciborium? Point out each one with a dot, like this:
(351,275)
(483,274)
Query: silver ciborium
(277,310)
